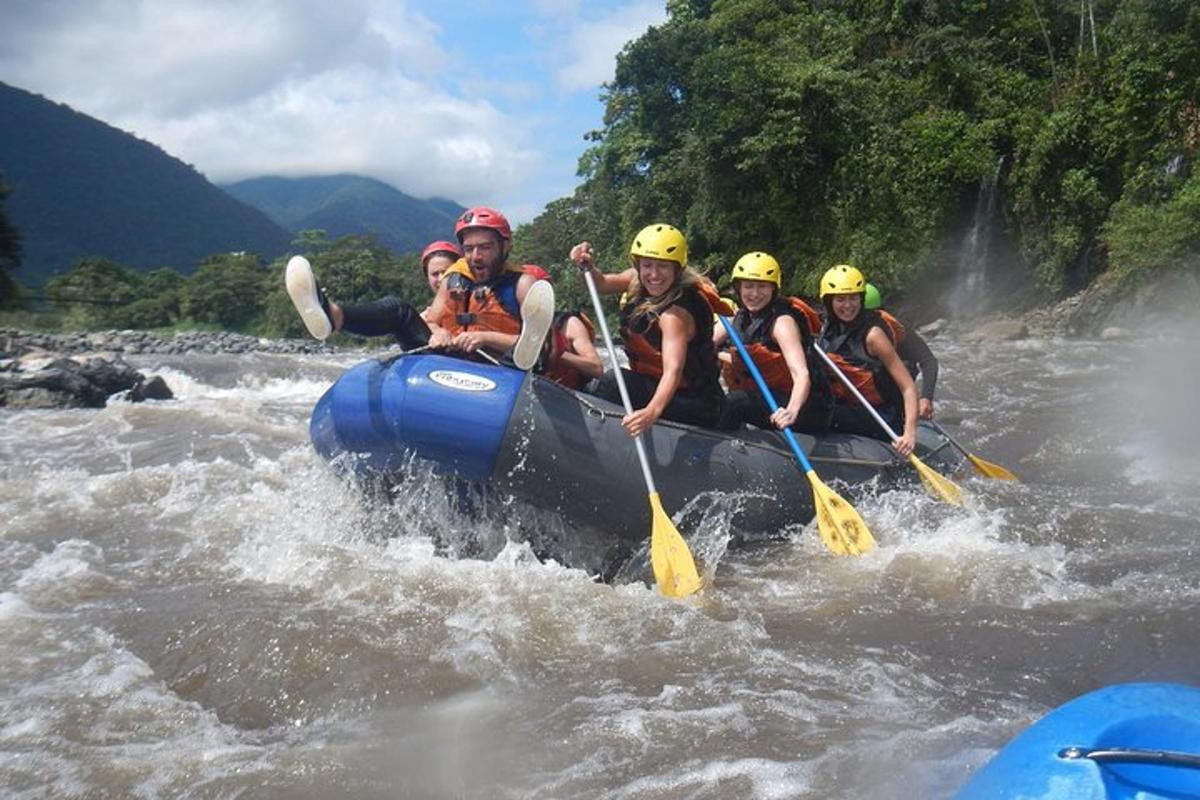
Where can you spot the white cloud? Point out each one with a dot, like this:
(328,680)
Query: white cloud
(242,88)
(354,120)
(113,58)
(589,49)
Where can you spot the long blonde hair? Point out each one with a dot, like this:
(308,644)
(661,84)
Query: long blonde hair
(641,303)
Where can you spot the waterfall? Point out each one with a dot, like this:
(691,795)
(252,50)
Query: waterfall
(970,292)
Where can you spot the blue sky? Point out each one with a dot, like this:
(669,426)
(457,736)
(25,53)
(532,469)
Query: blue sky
(482,102)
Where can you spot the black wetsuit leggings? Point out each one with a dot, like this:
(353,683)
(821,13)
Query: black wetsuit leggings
(691,409)
(748,408)
(387,317)
(856,419)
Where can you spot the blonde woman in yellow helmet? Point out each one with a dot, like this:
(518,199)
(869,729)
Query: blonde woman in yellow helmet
(778,333)
(666,327)
(859,342)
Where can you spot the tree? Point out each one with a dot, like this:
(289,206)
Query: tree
(860,132)
(96,293)
(10,255)
(547,242)
(161,300)
(227,291)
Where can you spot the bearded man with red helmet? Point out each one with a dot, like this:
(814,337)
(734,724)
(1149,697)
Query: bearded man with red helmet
(485,310)
(481,301)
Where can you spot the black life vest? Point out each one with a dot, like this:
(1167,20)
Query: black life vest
(643,343)
(846,346)
(757,333)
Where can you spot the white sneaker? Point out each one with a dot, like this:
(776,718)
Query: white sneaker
(306,297)
(537,315)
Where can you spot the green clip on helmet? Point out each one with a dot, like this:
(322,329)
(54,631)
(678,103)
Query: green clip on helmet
(871,297)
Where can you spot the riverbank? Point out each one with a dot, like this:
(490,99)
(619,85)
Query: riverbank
(1109,308)
(17,344)
(85,369)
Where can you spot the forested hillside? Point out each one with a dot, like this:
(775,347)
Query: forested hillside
(862,131)
(350,205)
(79,187)
(822,132)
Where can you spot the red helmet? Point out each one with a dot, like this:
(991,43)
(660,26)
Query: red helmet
(537,272)
(433,248)
(483,217)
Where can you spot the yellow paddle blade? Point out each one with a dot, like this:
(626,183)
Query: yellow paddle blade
(674,569)
(842,529)
(989,469)
(938,485)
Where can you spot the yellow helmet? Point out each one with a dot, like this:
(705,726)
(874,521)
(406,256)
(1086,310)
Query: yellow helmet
(843,279)
(757,266)
(660,241)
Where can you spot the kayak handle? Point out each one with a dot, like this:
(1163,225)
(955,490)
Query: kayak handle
(1130,755)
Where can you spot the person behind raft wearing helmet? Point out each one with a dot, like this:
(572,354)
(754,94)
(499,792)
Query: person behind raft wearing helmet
(778,333)
(913,351)
(436,258)
(666,326)
(480,302)
(387,317)
(859,342)
(569,358)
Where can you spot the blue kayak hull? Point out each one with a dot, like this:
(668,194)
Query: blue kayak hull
(1045,760)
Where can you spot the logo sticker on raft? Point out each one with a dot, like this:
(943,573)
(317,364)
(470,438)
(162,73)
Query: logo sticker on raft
(463,381)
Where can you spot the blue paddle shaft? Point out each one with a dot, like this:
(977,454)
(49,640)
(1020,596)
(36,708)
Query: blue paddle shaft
(766,391)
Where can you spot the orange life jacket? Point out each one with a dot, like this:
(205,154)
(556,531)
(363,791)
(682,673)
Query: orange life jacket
(846,346)
(643,339)
(756,332)
(490,306)
(897,332)
(810,314)
(558,370)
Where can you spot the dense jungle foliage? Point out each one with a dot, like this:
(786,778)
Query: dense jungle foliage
(860,132)
(824,132)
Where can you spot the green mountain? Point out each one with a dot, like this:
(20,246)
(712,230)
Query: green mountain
(83,188)
(350,204)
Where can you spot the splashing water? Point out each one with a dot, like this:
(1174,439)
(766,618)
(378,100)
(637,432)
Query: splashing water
(193,605)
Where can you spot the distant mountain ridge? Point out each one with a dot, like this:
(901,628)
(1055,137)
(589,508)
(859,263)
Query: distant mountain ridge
(82,188)
(342,205)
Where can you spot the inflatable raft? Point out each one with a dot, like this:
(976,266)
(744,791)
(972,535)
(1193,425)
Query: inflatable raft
(1134,740)
(566,452)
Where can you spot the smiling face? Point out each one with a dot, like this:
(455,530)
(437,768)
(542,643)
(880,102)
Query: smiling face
(485,252)
(846,306)
(755,295)
(657,275)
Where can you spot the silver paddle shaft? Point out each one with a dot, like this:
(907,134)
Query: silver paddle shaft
(849,385)
(616,365)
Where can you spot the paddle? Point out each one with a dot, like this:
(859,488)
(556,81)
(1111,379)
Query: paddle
(842,529)
(983,466)
(674,569)
(941,487)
